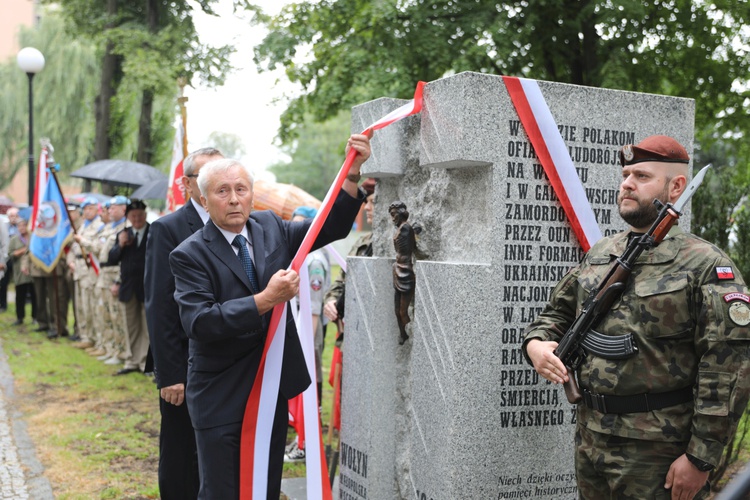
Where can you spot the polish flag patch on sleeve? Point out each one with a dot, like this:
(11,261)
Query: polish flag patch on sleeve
(724,273)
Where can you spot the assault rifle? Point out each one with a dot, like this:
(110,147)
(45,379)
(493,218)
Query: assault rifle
(580,338)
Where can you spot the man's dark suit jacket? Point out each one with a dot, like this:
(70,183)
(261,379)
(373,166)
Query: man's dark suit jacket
(220,317)
(132,261)
(169,344)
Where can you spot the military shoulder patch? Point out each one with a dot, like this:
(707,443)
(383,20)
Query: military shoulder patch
(725,273)
(739,313)
(729,297)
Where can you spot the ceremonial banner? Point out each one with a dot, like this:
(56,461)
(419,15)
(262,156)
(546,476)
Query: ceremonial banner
(175,191)
(52,228)
(544,136)
(258,420)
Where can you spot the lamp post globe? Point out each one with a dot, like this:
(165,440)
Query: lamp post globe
(31,62)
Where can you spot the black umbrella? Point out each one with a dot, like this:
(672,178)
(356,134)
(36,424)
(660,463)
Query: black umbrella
(79,197)
(119,173)
(154,190)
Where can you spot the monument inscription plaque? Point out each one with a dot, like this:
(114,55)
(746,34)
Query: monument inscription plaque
(456,412)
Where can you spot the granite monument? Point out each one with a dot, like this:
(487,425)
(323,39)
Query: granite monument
(456,412)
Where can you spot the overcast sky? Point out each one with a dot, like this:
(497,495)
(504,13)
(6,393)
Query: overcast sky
(243,106)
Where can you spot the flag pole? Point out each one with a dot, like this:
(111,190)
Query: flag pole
(181,100)
(55,281)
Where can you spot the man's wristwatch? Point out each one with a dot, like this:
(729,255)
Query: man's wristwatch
(354,177)
(699,464)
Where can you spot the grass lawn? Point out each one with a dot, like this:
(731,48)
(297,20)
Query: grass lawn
(96,435)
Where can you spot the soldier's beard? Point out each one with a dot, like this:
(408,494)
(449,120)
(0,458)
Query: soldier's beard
(645,213)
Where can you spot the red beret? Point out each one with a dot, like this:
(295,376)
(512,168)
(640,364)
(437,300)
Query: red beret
(369,186)
(659,148)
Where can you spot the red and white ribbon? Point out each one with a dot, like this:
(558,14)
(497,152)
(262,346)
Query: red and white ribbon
(340,260)
(540,126)
(40,187)
(261,405)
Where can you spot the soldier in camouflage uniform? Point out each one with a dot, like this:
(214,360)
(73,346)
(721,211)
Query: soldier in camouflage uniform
(112,349)
(84,275)
(333,303)
(95,292)
(660,419)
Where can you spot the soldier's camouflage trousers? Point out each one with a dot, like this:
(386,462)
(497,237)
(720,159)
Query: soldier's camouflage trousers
(614,467)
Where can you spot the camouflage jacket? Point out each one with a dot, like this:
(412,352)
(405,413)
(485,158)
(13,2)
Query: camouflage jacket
(79,251)
(362,248)
(687,307)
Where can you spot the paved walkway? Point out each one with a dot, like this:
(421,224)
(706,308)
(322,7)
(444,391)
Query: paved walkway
(21,474)
(296,488)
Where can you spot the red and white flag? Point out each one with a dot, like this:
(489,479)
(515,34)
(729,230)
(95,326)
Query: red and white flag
(261,404)
(40,186)
(175,191)
(540,126)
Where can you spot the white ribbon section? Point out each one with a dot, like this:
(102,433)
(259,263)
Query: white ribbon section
(310,396)
(269,394)
(341,261)
(561,158)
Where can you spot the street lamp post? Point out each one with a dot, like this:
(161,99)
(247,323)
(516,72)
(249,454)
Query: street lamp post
(31,62)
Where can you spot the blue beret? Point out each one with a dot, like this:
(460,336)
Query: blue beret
(119,200)
(306,212)
(25,213)
(89,200)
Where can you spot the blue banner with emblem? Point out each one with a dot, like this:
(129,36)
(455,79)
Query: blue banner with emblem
(52,229)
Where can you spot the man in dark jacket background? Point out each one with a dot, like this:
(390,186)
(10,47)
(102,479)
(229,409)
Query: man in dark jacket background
(178,458)
(129,251)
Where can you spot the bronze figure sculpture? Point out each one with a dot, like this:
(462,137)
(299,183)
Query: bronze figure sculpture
(404,279)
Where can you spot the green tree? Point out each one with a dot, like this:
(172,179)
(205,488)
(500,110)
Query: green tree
(715,204)
(63,100)
(344,52)
(360,50)
(317,155)
(230,145)
(145,46)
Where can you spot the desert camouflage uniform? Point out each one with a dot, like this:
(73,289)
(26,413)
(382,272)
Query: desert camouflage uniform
(51,304)
(319,275)
(113,332)
(691,328)
(84,278)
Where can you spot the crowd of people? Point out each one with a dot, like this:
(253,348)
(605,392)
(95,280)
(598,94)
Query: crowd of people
(99,274)
(196,284)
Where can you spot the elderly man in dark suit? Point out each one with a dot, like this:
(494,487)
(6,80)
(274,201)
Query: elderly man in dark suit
(129,251)
(228,278)
(178,458)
